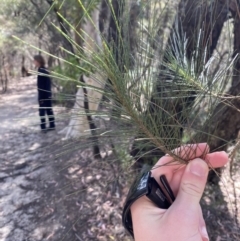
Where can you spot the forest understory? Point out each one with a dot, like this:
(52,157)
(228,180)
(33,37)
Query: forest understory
(49,195)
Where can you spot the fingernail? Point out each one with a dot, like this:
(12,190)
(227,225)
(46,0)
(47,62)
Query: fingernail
(205,233)
(198,167)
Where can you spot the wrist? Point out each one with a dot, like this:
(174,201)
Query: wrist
(146,218)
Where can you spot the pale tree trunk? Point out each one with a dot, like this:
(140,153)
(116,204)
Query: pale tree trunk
(79,124)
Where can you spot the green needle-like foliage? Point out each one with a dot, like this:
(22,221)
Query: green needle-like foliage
(159,89)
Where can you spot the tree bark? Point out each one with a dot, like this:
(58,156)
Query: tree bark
(67,44)
(79,124)
(224,125)
(126,34)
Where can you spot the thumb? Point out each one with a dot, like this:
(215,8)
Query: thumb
(192,185)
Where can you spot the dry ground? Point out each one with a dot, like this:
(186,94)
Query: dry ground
(47,196)
(72,196)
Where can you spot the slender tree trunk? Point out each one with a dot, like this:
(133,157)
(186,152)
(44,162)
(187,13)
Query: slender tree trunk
(122,29)
(4,75)
(68,45)
(104,16)
(78,32)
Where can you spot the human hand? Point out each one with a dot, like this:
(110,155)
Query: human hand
(183,221)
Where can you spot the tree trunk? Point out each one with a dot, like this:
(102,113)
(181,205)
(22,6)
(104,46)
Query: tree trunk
(80,124)
(225,123)
(68,45)
(122,38)
(104,16)
(92,40)
(4,75)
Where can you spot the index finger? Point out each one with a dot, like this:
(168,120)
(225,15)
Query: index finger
(186,152)
(173,169)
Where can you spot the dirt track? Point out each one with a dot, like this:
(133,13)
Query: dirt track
(23,174)
(47,198)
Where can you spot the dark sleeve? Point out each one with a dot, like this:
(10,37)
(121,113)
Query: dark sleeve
(44,85)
